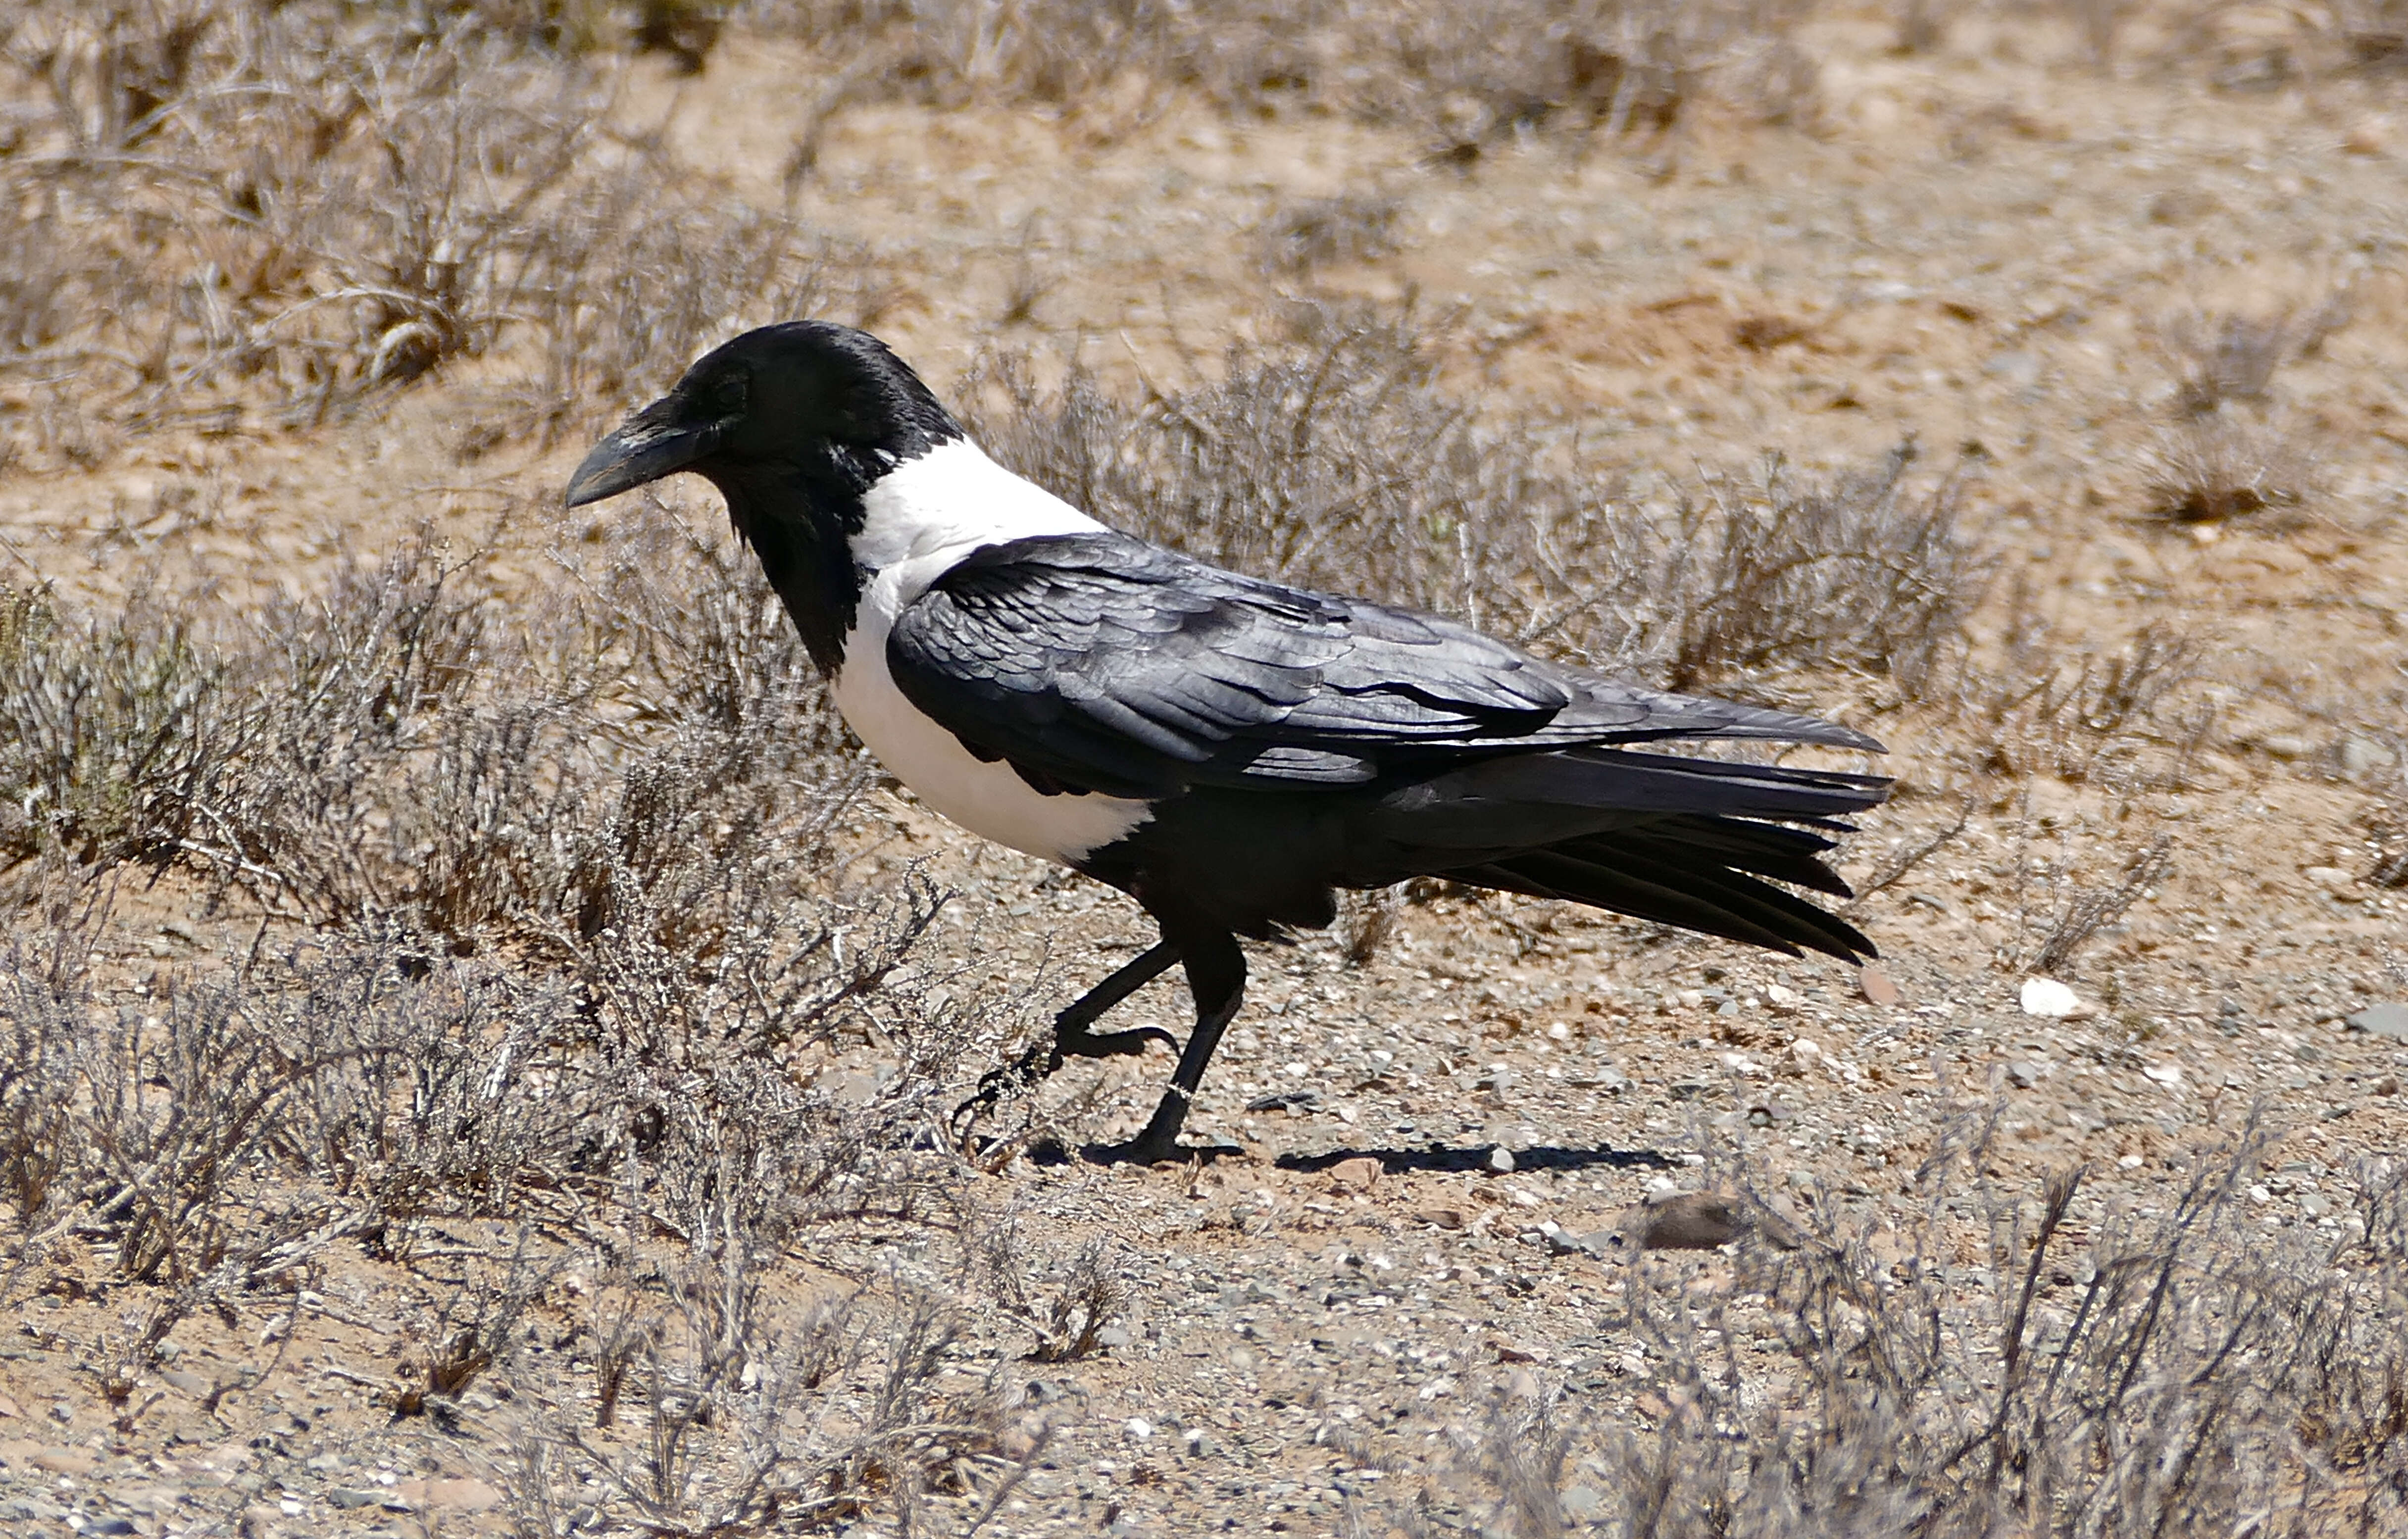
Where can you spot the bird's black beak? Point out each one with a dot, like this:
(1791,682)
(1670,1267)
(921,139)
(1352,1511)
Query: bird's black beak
(644,451)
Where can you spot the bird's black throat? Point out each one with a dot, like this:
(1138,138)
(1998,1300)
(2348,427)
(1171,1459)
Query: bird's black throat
(799,517)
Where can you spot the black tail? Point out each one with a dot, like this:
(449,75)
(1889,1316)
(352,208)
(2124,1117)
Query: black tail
(1686,842)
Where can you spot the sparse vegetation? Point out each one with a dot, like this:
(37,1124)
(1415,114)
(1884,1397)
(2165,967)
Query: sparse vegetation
(2155,1384)
(475,975)
(1461,77)
(413,188)
(1343,460)
(2214,471)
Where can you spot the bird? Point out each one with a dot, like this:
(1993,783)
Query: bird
(1228,751)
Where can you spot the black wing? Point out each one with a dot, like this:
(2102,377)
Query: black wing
(1100,663)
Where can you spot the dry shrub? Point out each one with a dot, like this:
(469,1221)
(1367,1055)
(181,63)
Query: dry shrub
(2221,355)
(256,215)
(1462,75)
(2190,1371)
(1092,1294)
(108,728)
(646,748)
(369,1083)
(216,1134)
(1503,1477)
(2219,468)
(2085,910)
(758,1414)
(573,968)
(2046,700)
(1338,458)
(1300,236)
(1867,571)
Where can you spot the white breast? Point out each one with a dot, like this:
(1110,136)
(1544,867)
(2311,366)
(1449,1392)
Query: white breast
(922,516)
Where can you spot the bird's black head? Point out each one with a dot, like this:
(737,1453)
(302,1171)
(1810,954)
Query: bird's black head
(804,405)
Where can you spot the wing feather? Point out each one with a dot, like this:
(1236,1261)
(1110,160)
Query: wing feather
(1097,661)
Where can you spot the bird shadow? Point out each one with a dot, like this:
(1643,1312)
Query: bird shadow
(1442,1160)
(1436,1157)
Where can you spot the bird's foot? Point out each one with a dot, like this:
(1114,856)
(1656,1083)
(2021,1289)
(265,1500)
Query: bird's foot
(1027,1069)
(1045,1057)
(1159,1144)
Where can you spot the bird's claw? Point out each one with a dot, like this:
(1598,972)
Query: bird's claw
(1046,1057)
(1032,1065)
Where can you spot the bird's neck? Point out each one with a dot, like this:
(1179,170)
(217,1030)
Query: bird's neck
(800,518)
(936,508)
(825,528)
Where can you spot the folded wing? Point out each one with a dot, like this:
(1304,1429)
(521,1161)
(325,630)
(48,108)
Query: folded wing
(1095,662)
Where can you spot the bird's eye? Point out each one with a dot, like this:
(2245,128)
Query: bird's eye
(726,397)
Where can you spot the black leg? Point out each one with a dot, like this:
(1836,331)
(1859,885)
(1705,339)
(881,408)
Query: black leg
(1071,1038)
(1216,976)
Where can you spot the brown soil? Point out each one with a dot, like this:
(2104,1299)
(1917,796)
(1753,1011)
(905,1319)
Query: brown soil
(1972,248)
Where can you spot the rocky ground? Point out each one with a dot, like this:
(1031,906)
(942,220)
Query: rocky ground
(1517,1189)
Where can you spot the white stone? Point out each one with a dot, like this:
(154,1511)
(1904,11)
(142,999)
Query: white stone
(2050,998)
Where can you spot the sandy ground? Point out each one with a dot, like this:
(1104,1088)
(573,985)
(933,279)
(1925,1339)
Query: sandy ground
(1971,248)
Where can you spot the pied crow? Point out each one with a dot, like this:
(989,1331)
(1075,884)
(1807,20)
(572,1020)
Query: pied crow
(1225,750)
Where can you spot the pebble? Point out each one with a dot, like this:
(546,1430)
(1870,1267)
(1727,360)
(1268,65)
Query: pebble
(31,1509)
(2048,998)
(1360,1174)
(1875,985)
(1689,1220)
(2389,1020)
(2024,1075)
(2359,757)
(453,1493)
(1600,1243)
(2339,885)
(1294,1103)
(1500,1160)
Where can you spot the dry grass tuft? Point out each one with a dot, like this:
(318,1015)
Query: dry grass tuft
(1462,77)
(2164,1371)
(413,190)
(2218,469)
(1300,236)
(2224,356)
